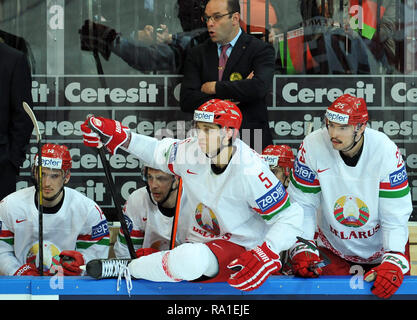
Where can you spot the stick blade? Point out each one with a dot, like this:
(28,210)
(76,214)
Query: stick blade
(32,117)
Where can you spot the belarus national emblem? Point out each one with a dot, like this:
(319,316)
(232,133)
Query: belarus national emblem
(207,220)
(351,211)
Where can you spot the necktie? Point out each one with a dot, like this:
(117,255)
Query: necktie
(223,59)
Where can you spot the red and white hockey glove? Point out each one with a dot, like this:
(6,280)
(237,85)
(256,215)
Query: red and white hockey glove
(145,252)
(254,267)
(304,259)
(98,131)
(71,260)
(28,269)
(388,275)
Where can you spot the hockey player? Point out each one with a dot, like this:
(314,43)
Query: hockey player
(281,160)
(74,227)
(150,211)
(358,177)
(231,198)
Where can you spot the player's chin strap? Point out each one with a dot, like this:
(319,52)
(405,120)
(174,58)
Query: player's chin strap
(354,143)
(222,146)
(35,182)
(171,189)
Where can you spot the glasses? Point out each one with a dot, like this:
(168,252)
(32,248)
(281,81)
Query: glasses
(215,17)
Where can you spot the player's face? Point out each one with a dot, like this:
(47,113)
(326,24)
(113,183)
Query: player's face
(160,184)
(52,182)
(222,29)
(209,137)
(280,174)
(341,135)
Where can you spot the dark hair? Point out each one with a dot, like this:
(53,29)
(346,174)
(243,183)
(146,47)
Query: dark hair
(233,5)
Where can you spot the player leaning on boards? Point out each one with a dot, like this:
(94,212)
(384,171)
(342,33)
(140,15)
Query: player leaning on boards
(232,197)
(358,177)
(75,228)
(150,212)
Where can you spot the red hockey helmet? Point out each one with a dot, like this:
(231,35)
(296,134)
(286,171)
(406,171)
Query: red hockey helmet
(279,155)
(348,109)
(55,156)
(221,112)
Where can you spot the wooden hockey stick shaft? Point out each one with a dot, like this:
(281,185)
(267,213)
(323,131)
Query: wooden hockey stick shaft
(177,213)
(31,115)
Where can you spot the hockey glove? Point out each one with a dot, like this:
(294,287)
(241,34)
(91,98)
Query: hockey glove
(28,269)
(304,259)
(388,275)
(145,252)
(71,260)
(98,131)
(253,268)
(95,36)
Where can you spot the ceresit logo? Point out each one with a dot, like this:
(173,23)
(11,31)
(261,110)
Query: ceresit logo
(203,116)
(271,160)
(337,117)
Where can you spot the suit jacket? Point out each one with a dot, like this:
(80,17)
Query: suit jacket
(15,87)
(249,54)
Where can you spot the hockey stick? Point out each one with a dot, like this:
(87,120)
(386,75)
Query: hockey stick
(40,195)
(177,212)
(116,201)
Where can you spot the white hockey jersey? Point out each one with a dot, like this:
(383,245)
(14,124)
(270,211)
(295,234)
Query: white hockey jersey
(78,225)
(236,205)
(147,226)
(364,209)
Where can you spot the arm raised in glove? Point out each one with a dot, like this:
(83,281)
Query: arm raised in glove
(389,275)
(254,267)
(98,131)
(304,259)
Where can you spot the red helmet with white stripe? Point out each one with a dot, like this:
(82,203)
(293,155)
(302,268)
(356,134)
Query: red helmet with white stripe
(279,155)
(348,109)
(221,112)
(55,156)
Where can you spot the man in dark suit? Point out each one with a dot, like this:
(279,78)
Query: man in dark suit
(15,125)
(247,75)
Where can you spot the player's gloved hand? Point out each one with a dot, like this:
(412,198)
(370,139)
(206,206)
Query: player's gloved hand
(71,260)
(304,258)
(253,268)
(141,252)
(28,269)
(95,36)
(97,131)
(388,275)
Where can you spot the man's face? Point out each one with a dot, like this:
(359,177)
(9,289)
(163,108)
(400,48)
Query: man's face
(341,135)
(160,184)
(279,172)
(209,137)
(52,182)
(221,29)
